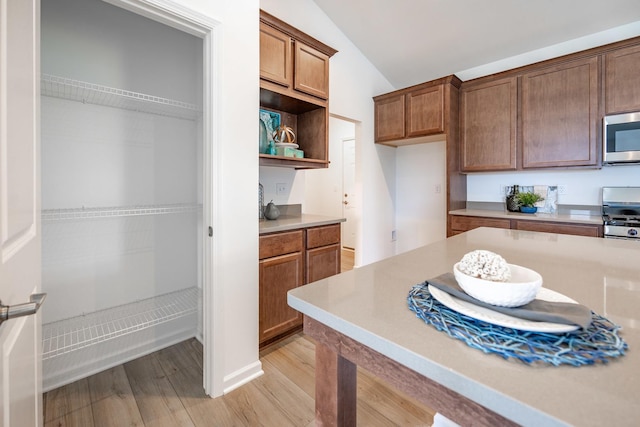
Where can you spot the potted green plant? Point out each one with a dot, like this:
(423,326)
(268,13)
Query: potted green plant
(527,200)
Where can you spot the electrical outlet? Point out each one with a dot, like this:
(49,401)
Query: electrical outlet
(281,188)
(562,189)
(394,235)
(438,189)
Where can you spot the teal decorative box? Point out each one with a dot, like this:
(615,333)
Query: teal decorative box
(286,151)
(289,152)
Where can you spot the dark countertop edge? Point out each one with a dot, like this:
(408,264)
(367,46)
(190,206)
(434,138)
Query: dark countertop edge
(295,222)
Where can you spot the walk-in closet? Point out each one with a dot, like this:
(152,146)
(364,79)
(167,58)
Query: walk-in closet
(121,167)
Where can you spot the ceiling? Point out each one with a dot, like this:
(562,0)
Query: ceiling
(413,41)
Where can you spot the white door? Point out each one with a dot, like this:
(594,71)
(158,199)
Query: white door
(20,340)
(350,199)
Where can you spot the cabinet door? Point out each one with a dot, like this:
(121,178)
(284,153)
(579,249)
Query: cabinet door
(622,80)
(488,115)
(322,262)
(559,115)
(278,275)
(311,74)
(425,112)
(275,56)
(389,120)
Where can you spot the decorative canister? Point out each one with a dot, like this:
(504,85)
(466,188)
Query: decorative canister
(512,200)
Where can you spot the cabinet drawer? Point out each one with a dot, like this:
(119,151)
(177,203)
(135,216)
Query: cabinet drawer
(323,236)
(559,228)
(466,223)
(281,243)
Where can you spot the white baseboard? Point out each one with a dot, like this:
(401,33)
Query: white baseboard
(242,376)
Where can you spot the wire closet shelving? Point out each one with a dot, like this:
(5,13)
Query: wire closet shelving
(91,93)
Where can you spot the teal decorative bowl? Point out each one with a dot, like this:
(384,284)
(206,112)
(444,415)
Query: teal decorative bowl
(528,209)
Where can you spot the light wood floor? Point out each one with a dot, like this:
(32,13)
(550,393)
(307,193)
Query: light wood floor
(347,259)
(165,389)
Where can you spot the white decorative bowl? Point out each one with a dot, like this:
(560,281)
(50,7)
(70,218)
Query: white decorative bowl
(521,289)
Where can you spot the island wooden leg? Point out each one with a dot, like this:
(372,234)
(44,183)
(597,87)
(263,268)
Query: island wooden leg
(336,388)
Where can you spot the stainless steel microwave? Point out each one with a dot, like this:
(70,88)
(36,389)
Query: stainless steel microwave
(621,139)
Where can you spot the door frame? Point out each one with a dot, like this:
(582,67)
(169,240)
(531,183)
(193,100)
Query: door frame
(343,141)
(207,29)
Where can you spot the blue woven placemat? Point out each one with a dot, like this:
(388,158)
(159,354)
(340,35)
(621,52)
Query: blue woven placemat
(598,343)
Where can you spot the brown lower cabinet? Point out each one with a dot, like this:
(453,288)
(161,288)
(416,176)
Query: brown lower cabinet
(288,260)
(460,224)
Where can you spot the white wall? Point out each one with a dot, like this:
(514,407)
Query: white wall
(582,185)
(235,189)
(420,195)
(294,181)
(353,83)
(110,50)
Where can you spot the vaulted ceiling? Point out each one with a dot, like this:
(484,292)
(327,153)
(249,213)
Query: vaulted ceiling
(413,41)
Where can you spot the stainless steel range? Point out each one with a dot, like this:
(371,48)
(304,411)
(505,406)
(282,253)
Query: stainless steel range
(621,212)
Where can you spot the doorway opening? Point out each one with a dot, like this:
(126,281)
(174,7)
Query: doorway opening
(127,184)
(336,191)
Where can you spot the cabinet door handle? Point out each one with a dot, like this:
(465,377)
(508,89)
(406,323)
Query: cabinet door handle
(10,312)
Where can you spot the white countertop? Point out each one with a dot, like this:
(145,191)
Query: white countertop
(369,304)
(574,218)
(293,222)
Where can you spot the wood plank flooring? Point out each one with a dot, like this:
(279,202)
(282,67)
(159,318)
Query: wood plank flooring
(165,389)
(347,258)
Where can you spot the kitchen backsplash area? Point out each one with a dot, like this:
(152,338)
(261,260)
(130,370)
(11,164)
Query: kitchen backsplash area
(574,187)
(282,185)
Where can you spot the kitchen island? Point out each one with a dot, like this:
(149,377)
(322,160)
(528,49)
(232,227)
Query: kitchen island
(361,317)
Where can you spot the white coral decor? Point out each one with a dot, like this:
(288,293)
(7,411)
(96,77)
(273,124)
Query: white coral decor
(485,265)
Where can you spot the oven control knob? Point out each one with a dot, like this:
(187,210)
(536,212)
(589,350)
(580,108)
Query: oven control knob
(632,232)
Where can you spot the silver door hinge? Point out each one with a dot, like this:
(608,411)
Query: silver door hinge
(210,231)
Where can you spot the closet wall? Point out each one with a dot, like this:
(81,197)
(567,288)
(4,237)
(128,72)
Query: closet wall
(121,187)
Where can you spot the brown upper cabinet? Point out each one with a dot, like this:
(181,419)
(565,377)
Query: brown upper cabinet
(425,111)
(488,116)
(389,121)
(537,117)
(409,115)
(294,82)
(294,62)
(311,74)
(560,115)
(622,80)
(275,56)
